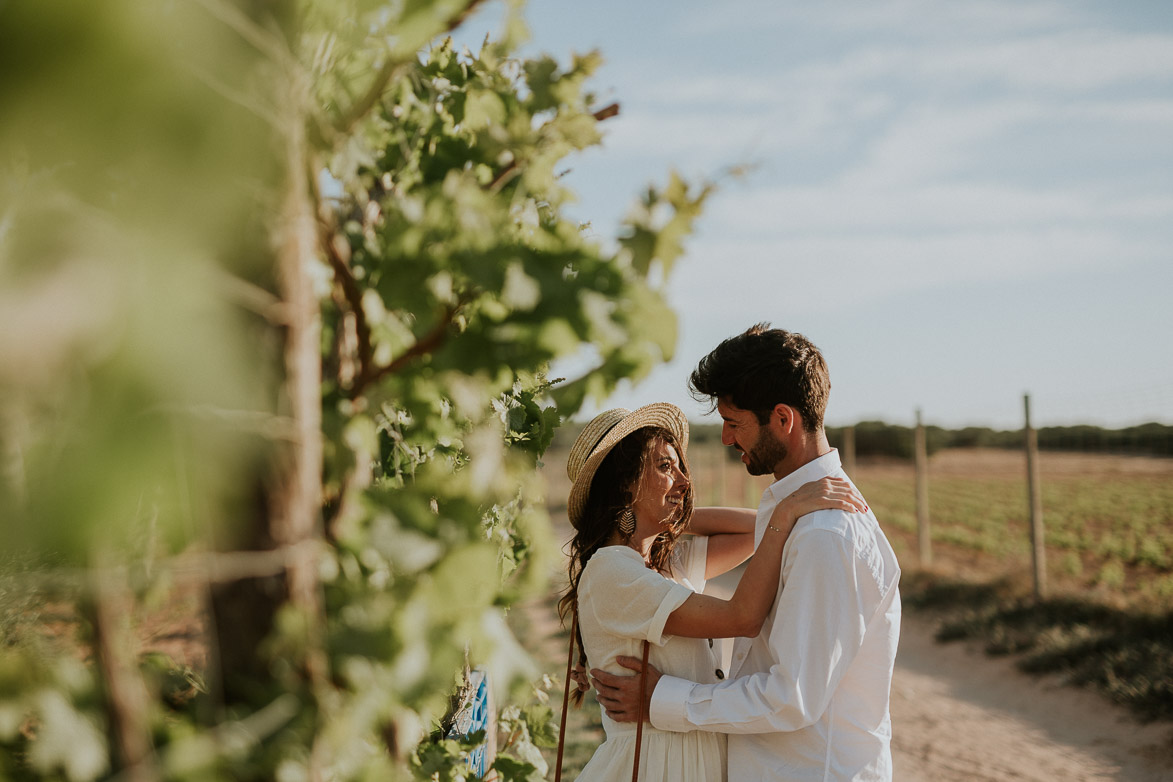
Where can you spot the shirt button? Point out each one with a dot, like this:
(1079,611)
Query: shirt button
(710,643)
(720,673)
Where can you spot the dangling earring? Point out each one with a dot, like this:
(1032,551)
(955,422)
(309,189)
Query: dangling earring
(627,522)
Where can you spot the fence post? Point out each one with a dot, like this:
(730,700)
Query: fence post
(720,469)
(747,496)
(1038,552)
(848,454)
(920,449)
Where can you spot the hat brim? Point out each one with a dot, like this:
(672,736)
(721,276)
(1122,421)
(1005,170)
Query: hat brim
(658,414)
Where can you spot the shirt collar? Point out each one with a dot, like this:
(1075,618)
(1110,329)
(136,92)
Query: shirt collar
(825,465)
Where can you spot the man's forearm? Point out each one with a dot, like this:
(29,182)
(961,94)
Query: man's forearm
(744,705)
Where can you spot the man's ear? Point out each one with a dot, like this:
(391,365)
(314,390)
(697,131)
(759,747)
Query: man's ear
(785,418)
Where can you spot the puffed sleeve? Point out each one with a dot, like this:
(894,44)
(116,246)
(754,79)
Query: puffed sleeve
(689,560)
(626,598)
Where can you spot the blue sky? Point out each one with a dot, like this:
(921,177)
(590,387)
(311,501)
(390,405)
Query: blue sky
(959,201)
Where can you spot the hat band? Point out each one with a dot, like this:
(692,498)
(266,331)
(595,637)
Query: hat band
(604,434)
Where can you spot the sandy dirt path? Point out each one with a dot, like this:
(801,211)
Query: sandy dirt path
(961,716)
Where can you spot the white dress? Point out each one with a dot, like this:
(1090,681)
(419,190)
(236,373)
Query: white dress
(621,602)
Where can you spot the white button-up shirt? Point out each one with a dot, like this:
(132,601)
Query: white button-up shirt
(807,698)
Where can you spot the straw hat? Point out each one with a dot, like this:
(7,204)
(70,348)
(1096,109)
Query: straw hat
(603,433)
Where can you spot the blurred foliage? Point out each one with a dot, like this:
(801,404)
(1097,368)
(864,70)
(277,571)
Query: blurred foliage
(152,156)
(127,186)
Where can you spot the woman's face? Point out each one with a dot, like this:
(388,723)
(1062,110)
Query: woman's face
(662,486)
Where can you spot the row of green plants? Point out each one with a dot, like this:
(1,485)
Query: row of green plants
(292,276)
(876,438)
(1114,534)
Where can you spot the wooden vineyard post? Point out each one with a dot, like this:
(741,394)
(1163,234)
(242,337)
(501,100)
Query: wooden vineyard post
(720,470)
(127,698)
(1038,552)
(745,489)
(920,451)
(848,455)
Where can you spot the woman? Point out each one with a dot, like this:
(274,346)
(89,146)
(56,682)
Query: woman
(633,579)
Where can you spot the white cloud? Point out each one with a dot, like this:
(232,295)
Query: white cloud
(1077,61)
(904,18)
(806,272)
(926,209)
(925,143)
(1068,62)
(919,111)
(1051,60)
(673,134)
(1137,112)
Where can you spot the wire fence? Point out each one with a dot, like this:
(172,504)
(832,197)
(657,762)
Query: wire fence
(1098,521)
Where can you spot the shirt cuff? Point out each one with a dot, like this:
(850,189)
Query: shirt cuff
(669,704)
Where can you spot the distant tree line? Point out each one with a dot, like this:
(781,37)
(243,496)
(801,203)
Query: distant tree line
(876,438)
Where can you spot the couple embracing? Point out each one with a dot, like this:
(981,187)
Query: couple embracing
(816,614)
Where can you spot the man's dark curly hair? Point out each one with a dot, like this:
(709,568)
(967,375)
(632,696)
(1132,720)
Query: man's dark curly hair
(763,367)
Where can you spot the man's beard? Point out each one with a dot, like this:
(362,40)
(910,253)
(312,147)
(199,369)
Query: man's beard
(765,454)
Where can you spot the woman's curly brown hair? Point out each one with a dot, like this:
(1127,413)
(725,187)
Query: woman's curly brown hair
(613,490)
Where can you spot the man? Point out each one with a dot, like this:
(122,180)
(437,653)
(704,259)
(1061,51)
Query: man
(807,699)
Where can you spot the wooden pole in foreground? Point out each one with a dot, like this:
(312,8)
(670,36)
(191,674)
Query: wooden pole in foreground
(848,455)
(748,491)
(920,449)
(1034,492)
(720,471)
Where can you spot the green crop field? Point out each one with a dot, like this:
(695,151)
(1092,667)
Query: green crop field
(1108,520)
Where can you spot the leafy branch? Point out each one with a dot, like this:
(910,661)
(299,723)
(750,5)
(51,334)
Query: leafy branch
(426,344)
(390,69)
(338,254)
(514,167)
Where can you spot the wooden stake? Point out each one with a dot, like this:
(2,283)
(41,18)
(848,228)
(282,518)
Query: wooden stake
(126,694)
(920,449)
(1034,493)
(719,467)
(848,455)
